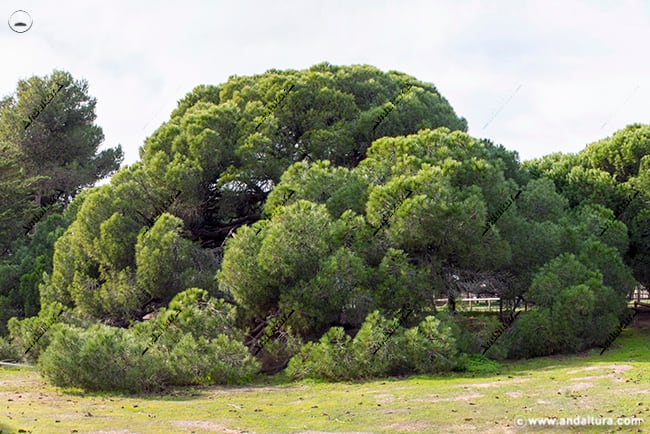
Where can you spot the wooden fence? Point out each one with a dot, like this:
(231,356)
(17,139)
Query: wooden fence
(473,301)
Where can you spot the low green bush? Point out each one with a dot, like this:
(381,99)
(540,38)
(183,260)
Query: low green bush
(111,358)
(495,336)
(427,348)
(31,335)
(381,347)
(218,361)
(326,359)
(479,364)
(533,335)
(8,352)
(191,343)
(100,358)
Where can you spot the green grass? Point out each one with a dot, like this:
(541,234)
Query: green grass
(487,400)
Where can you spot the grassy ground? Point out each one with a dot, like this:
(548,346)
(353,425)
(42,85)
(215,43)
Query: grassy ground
(615,384)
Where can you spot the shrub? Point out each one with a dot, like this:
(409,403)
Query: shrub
(428,348)
(467,331)
(326,359)
(192,311)
(303,364)
(100,358)
(372,351)
(190,343)
(494,336)
(532,336)
(219,361)
(8,352)
(110,358)
(31,336)
(573,305)
(479,364)
(381,347)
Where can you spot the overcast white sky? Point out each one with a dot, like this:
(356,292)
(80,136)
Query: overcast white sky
(545,76)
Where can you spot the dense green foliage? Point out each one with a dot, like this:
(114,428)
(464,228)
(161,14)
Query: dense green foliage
(614,173)
(210,169)
(191,343)
(61,143)
(32,335)
(48,154)
(8,350)
(304,208)
(380,348)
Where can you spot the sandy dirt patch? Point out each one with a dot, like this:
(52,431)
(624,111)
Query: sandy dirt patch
(337,432)
(122,431)
(575,387)
(616,368)
(415,426)
(500,383)
(205,425)
(455,398)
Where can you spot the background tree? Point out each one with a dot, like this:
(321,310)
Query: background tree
(575,309)
(50,122)
(15,185)
(48,154)
(613,173)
